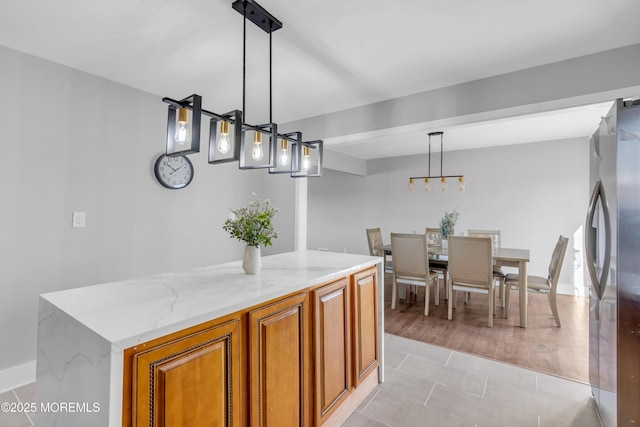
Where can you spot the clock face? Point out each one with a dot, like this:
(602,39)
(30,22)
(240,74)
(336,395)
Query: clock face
(173,172)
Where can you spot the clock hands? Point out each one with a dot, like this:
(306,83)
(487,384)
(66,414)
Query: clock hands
(176,170)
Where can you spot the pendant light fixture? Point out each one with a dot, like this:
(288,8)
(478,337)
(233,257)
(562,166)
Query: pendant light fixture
(310,161)
(225,133)
(442,177)
(230,137)
(288,155)
(183,126)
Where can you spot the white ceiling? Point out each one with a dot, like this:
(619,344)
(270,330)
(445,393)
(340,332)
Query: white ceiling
(330,54)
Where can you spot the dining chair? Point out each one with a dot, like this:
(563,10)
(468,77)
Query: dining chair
(544,285)
(374,238)
(471,270)
(411,266)
(498,274)
(441,267)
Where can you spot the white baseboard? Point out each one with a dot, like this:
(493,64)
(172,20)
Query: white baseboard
(567,289)
(17,376)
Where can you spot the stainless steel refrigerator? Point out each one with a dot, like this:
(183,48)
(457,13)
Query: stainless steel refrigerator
(612,246)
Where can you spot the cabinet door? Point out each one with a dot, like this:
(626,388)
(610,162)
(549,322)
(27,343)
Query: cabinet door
(365,323)
(190,381)
(332,347)
(279,369)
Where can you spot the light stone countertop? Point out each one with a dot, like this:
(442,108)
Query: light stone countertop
(133,311)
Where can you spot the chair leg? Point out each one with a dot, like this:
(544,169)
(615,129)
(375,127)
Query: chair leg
(445,279)
(437,295)
(507,293)
(426,300)
(492,304)
(501,290)
(394,291)
(450,303)
(554,307)
(493,300)
(452,296)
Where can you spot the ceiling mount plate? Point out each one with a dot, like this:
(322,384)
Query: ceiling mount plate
(257,14)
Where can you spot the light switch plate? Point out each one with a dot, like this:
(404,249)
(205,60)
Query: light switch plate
(78,219)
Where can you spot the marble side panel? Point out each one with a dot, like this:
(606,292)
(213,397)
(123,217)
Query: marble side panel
(72,372)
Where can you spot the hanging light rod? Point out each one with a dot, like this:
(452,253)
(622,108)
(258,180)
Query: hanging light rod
(441,177)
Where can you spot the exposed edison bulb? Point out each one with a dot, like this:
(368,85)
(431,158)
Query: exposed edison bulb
(443,184)
(306,161)
(461,183)
(283,157)
(257,152)
(427,185)
(410,184)
(183,134)
(223,142)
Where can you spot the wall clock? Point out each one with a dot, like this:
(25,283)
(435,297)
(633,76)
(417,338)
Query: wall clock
(173,172)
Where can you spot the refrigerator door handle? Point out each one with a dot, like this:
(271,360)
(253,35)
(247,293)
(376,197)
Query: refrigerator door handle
(598,283)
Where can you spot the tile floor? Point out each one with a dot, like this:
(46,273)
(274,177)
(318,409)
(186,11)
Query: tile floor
(25,394)
(426,385)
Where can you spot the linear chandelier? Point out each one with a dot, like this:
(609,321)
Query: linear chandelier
(443,178)
(282,152)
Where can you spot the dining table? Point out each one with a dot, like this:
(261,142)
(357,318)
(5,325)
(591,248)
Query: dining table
(519,257)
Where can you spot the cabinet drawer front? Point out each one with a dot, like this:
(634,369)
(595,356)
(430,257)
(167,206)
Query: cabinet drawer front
(189,381)
(332,346)
(365,323)
(279,353)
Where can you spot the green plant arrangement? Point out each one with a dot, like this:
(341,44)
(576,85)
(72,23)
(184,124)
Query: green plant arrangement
(252,223)
(447,223)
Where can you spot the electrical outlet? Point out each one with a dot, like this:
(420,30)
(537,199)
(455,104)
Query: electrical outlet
(78,219)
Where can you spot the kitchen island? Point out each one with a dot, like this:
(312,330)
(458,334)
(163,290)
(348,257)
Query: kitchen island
(251,349)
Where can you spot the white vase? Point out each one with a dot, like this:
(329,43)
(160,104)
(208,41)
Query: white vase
(252,262)
(445,244)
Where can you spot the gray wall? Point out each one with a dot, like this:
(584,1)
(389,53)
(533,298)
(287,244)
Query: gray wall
(75,142)
(599,77)
(531,192)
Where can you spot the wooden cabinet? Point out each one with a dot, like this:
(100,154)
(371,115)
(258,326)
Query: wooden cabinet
(332,347)
(188,381)
(365,323)
(279,350)
(290,362)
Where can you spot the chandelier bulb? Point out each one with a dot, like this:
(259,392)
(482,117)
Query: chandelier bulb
(306,158)
(443,184)
(461,183)
(427,185)
(224,145)
(283,158)
(257,152)
(183,134)
(410,184)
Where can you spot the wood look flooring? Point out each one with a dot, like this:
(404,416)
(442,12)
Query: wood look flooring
(543,347)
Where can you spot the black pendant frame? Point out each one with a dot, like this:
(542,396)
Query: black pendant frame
(313,145)
(193,103)
(235,119)
(269,129)
(295,142)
